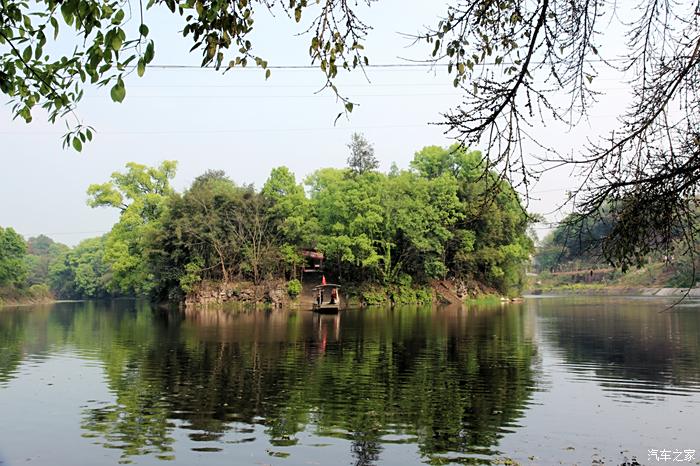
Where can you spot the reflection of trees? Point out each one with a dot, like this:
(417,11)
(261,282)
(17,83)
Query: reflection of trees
(450,381)
(22,334)
(635,343)
(11,339)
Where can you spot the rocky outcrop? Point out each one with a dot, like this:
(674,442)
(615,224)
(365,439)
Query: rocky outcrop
(454,291)
(271,293)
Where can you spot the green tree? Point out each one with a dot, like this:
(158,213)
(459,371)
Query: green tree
(42,253)
(82,272)
(361,159)
(106,45)
(490,242)
(576,242)
(13,251)
(215,231)
(292,213)
(140,193)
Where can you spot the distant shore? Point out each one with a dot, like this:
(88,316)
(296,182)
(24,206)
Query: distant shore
(596,289)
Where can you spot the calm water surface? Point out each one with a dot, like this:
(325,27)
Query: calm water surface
(549,381)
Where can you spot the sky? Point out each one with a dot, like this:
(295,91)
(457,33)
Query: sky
(245,125)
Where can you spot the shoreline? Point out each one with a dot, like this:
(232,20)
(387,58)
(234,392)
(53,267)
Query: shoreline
(274,293)
(28,301)
(607,290)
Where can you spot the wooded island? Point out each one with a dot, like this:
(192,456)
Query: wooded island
(387,235)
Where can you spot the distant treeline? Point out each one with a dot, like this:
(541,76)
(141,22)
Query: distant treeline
(40,269)
(444,217)
(579,243)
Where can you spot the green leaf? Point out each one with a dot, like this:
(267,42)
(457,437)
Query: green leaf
(297,14)
(77,145)
(149,53)
(54,23)
(118,91)
(141,67)
(27,54)
(118,17)
(143,30)
(67,12)
(116,42)
(267,74)
(349,106)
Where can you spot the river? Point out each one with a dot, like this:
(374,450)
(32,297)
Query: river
(552,380)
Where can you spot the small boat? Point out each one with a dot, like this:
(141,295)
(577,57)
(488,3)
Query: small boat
(326,298)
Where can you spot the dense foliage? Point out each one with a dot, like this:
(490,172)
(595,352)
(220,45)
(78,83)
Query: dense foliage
(13,249)
(140,194)
(429,222)
(41,268)
(441,218)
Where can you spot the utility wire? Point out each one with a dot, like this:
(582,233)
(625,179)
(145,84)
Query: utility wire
(285,96)
(416,65)
(269,85)
(229,131)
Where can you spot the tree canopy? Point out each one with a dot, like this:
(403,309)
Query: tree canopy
(13,269)
(140,194)
(401,229)
(406,226)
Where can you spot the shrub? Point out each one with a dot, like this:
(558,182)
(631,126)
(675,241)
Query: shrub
(39,291)
(372,297)
(191,277)
(293,288)
(424,295)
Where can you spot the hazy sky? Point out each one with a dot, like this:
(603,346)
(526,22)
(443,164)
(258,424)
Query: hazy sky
(245,125)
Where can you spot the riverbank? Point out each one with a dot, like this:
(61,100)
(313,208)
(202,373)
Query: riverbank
(598,289)
(35,294)
(283,294)
(654,279)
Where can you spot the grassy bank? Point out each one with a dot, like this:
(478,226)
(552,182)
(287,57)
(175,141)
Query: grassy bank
(654,279)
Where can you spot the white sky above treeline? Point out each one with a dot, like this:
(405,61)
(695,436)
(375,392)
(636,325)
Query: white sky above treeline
(244,125)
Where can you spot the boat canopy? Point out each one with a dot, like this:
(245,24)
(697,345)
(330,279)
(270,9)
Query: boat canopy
(327,285)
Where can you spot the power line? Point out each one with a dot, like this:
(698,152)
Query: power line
(306,86)
(414,65)
(269,85)
(275,96)
(295,67)
(230,131)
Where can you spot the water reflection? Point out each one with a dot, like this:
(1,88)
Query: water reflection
(362,387)
(636,349)
(451,382)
